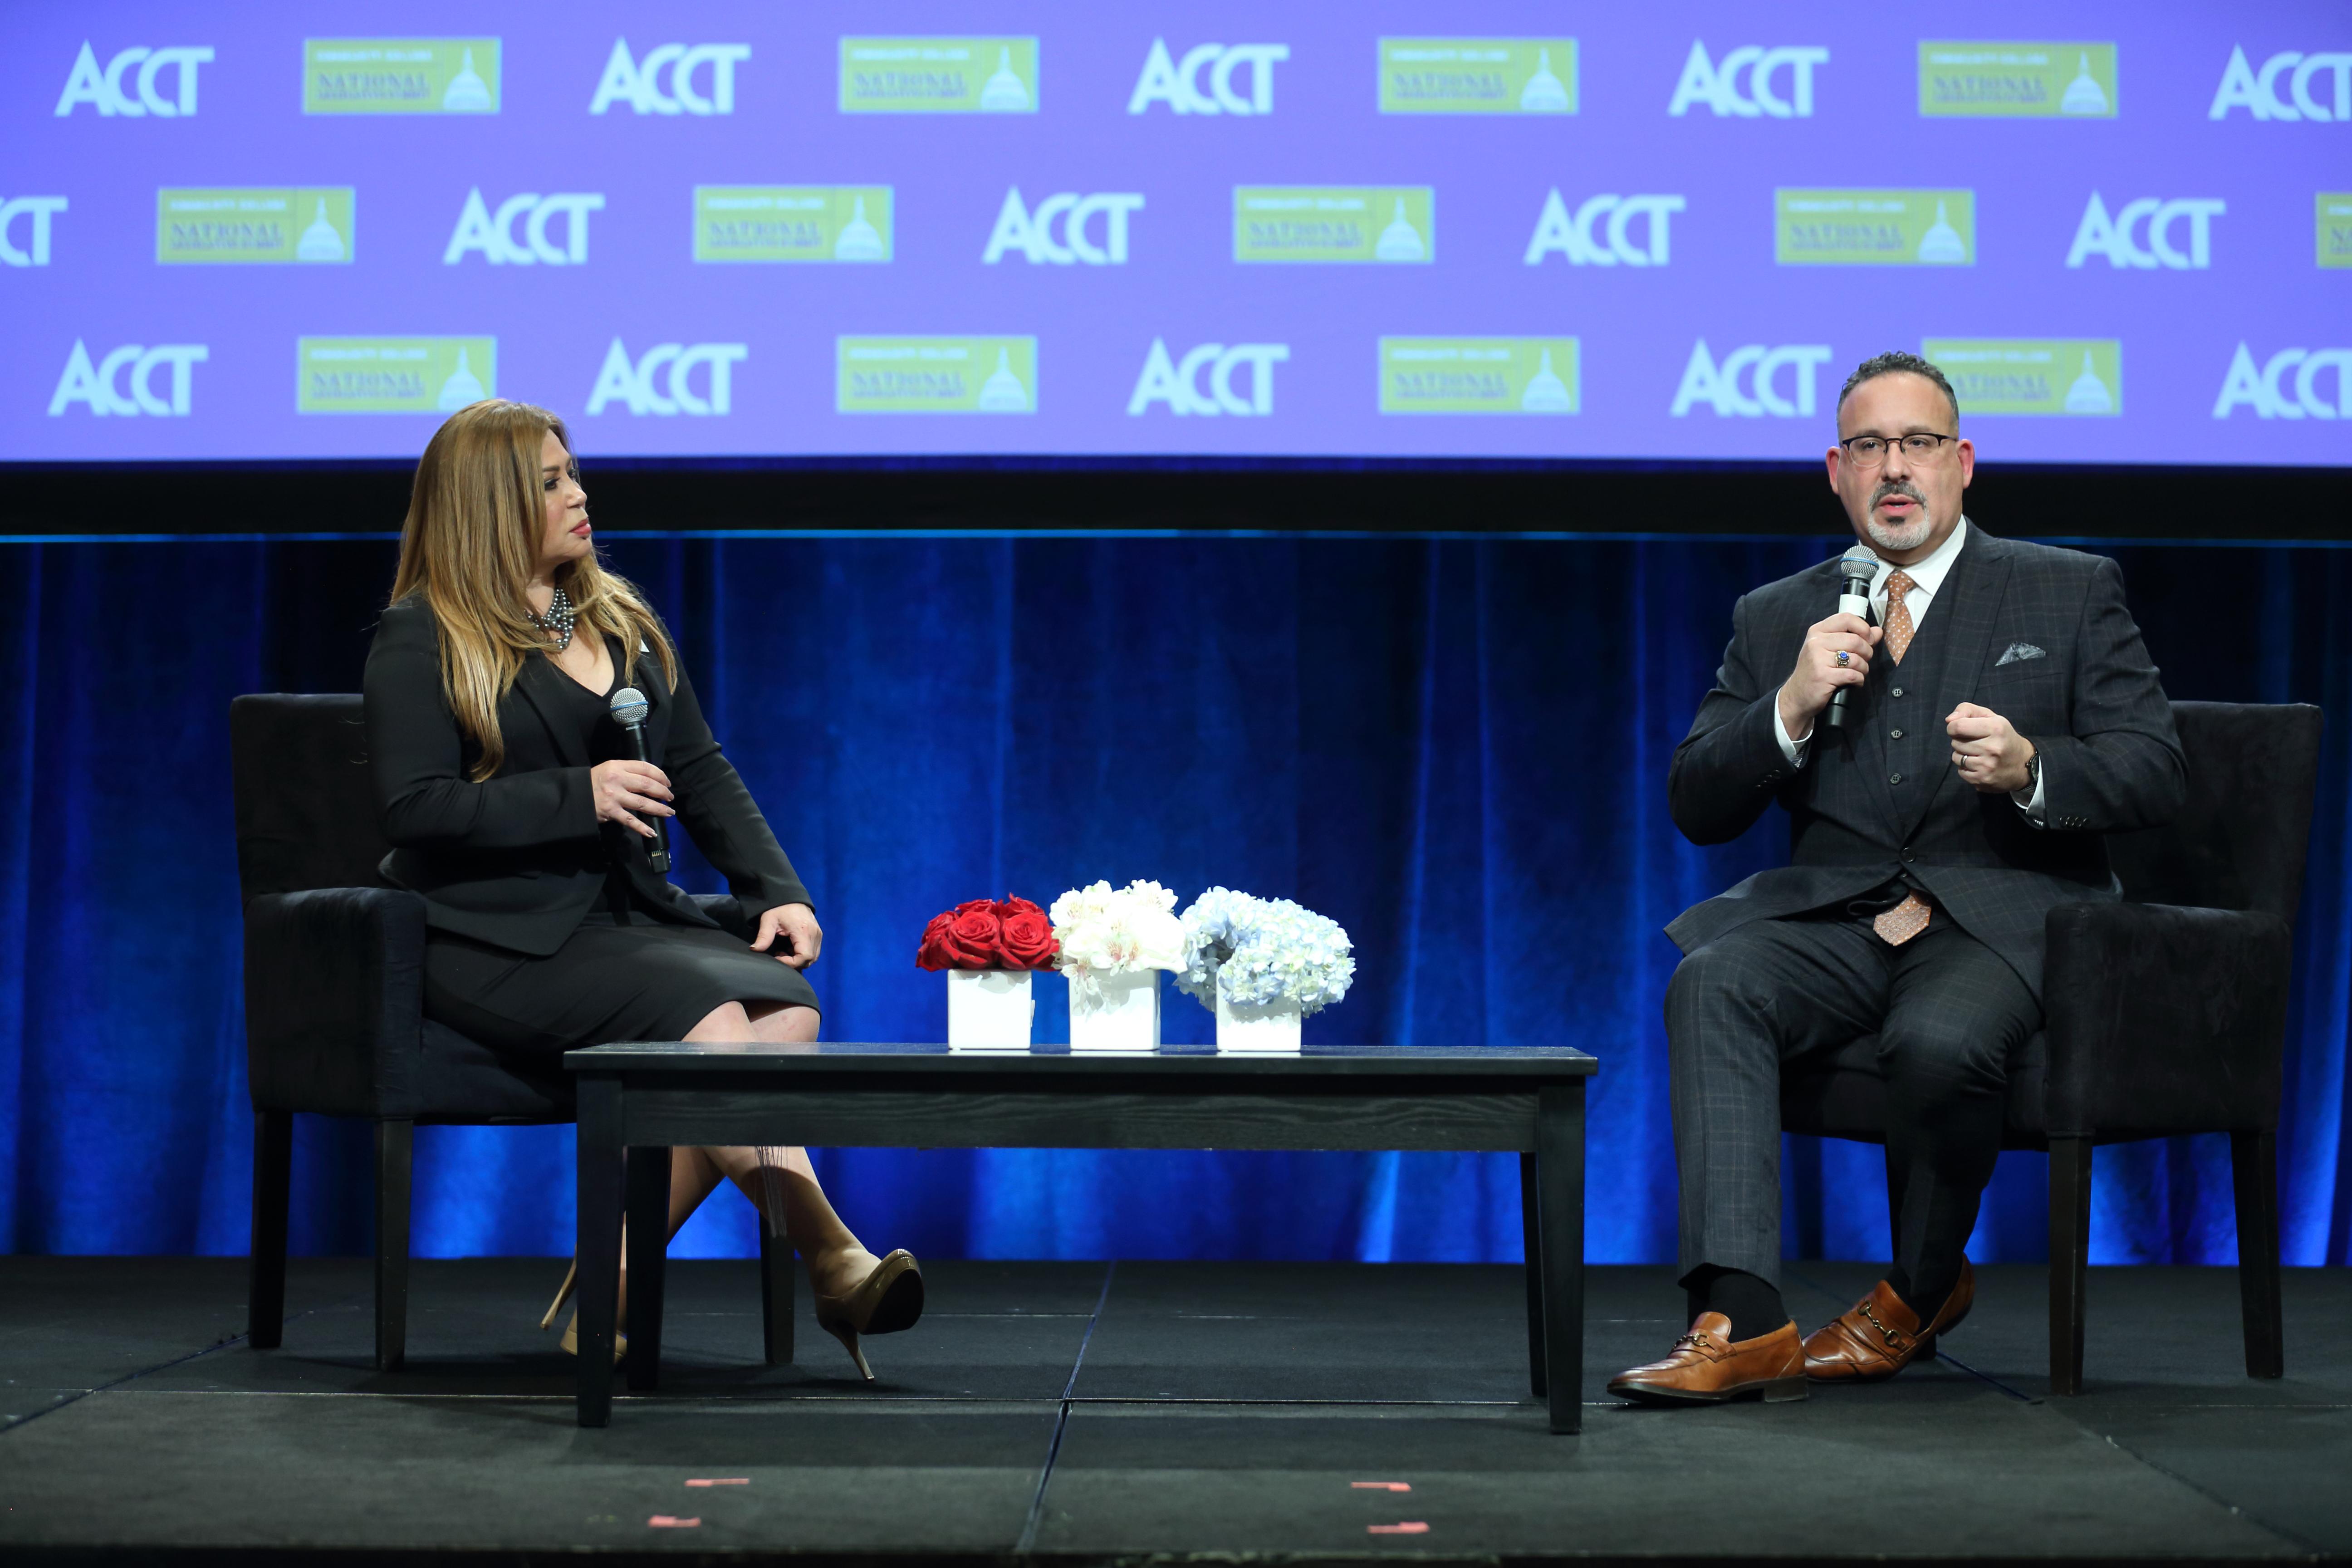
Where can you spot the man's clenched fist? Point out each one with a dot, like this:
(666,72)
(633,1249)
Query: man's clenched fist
(1991,756)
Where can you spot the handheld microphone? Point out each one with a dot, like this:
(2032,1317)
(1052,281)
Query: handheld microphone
(629,709)
(1858,566)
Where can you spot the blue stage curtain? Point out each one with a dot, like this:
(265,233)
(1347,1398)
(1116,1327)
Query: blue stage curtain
(1455,747)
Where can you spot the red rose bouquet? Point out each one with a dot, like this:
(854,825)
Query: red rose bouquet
(989,933)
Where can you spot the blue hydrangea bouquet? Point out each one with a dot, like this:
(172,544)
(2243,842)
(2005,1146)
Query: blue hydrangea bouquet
(1262,965)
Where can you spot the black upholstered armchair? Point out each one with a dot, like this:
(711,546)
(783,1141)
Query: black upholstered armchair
(2165,1013)
(334,1002)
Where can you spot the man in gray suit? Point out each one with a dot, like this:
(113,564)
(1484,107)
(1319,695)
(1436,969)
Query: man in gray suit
(2003,715)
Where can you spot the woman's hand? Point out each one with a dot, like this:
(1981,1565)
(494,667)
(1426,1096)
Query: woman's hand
(625,788)
(796,923)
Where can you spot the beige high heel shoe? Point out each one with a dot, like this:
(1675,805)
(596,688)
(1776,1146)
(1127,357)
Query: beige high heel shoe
(890,1296)
(570,1344)
(890,1299)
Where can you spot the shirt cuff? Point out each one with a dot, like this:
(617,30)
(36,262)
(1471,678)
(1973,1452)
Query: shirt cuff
(2030,801)
(1794,751)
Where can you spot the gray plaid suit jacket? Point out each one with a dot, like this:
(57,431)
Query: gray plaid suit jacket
(2038,635)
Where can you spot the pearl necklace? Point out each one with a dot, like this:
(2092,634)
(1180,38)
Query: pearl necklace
(557,622)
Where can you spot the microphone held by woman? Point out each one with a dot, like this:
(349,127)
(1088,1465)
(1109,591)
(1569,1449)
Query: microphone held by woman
(628,706)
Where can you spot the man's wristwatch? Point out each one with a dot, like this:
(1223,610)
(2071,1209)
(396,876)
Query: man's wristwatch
(2033,772)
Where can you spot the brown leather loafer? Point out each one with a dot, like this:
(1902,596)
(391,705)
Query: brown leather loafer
(1708,1367)
(1880,1336)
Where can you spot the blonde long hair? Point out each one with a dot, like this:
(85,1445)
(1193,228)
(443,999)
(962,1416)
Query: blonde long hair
(475,527)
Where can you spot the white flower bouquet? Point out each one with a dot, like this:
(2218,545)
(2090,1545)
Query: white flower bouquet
(1114,943)
(1262,965)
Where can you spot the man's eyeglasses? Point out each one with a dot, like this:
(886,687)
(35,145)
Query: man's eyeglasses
(1920,447)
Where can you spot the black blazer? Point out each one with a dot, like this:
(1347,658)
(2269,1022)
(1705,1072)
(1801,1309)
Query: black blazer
(2038,635)
(517,859)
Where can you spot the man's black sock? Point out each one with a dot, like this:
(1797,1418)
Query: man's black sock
(1924,1303)
(1923,1306)
(1753,1305)
(1950,1217)
(1938,1204)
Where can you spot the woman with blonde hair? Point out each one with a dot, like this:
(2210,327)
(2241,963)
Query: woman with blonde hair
(516,805)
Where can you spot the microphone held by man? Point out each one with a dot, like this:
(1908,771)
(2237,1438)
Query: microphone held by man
(1859,566)
(1835,657)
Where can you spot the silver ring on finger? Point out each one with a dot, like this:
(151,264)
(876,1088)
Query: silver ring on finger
(1843,656)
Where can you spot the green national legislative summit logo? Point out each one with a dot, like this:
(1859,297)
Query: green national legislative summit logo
(1875,228)
(393,375)
(1477,75)
(312,224)
(1335,223)
(939,75)
(1479,375)
(792,223)
(2334,220)
(2013,80)
(935,375)
(399,75)
(2078,377)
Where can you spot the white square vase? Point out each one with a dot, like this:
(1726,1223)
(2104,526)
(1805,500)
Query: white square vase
(1127,1019)
(1270,1030)
(989,1009)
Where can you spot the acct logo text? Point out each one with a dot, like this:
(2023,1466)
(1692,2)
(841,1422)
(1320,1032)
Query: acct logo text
(493,234)
(2100,234)
(40,209)
(1574,236)
(1718,85)
(1177,382)
(1031,233)
(1746,382)
(638,83)
(1177,83)
(107,91)
(2270,396)
(123,382)
(2257,92)
(661,381)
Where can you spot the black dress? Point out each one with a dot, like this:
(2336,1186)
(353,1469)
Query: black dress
(642,962)
(622,975)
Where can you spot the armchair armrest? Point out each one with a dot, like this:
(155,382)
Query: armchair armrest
(2164,1020)
(334,997)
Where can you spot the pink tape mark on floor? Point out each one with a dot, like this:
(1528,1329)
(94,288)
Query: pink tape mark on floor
(1361,1486)
(1408,1527)
(669,1521)
(720,1481)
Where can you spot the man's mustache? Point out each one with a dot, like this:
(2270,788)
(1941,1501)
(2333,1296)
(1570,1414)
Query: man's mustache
(1898,488)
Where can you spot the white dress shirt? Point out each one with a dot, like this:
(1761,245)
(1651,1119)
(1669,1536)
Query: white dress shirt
(1926,579)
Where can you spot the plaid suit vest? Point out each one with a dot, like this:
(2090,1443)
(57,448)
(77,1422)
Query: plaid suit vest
(1900,745)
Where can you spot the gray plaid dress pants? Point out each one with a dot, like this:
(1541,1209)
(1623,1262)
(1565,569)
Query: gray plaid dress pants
(1949,1015)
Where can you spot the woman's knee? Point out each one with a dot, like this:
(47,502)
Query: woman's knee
(788,1024)
(726,1022)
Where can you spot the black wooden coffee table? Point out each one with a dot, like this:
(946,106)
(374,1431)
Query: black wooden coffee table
(641,1100)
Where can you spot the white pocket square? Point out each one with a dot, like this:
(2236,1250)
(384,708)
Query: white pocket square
(2019,652)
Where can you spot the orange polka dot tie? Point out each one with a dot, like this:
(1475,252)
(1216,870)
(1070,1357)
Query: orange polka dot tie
(1899,616)
(1910,918)
(1903,921)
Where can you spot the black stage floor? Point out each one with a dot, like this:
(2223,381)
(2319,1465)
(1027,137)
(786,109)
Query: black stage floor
(1086,1412)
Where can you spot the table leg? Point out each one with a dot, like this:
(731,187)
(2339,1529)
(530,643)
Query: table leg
(601,1180)
(394,1167)
(776,1297)
(1533,1270)
(647,1238)
(1559,1221)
